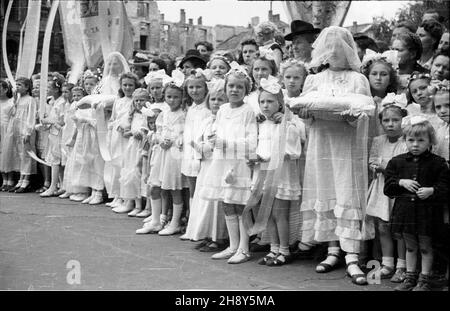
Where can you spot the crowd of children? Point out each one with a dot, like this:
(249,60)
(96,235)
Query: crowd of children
(298,155)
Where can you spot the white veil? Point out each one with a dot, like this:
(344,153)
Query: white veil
(110,81)
(335,45)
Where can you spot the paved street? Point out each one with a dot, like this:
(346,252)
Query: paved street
(38,237)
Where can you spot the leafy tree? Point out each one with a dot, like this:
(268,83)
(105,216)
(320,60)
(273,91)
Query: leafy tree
(413,11)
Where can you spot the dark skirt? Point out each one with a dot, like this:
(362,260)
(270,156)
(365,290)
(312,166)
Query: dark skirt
(416,217)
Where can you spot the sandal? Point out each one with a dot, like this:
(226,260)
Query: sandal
(42,189)
(327,267)
(269,257)
(240,256)
(386,272)
(202,243)
(358,278)
(280,260)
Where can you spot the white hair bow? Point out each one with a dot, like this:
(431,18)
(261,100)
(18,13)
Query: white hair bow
(207,73)
(392,99)
(413,120)
(215,85)
(391,56)
(177,78)
(148,112)
(266,52)
(154,75)
(270,85)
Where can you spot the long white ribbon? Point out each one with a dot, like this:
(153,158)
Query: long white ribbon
(27,55)
(5,54)
(45,56)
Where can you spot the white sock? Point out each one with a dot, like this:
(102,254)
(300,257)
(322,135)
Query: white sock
(351,258)
(387,261)
(25,183)
(275,248)
(19,183)
(176,215)
(243,236)
(304,246)
(332,260)
(401,263)
(156,211)
(232,223)
(284,250)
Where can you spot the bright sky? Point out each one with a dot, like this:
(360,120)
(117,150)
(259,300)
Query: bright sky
(238,13)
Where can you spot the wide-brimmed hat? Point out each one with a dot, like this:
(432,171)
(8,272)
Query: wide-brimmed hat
(140,59)
(193,55)
(299,27)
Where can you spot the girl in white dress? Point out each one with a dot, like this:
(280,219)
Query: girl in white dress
(379,206)
(6,110)
(229,177)
(118,124)
(55,121)
(206,218)
(80,193)
(441,106)
(276,174)
(335,184)
(22,128)
(196,89)
(165,171)
(262,67)
(420,99)
(130,175)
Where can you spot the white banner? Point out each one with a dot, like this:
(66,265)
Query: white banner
(27,58)
(90,35)
(319,13)
(69,14)
(4,52)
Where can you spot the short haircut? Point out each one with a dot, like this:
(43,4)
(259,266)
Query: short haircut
(435,29)
(364,42)
(412,43)
(406,24)
(208,45)
(419,129)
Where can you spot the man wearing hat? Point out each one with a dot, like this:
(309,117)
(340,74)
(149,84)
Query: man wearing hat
(302,36)
(192,60)
(139,66)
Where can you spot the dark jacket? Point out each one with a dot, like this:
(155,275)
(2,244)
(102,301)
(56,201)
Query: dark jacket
(429,170)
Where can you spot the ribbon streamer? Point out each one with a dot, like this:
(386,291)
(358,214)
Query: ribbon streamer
(36,158)
(5,54)
(45,56)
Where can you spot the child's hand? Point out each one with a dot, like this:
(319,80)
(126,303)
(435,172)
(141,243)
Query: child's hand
(120,129)
(26,139)
(277,117)
(260,118)
(137,135)
(409,184)
(38,127)
(376,168)
(70,143)
(127,134)
(425,192)
(304,113)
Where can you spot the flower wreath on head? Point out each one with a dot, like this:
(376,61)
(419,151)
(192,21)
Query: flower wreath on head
(390,57)
(291,62)
(416,76)
(392,99)
(240,72)
(439,86)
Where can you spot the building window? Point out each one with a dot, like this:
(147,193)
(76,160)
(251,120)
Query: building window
(143,43)
(142,9)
